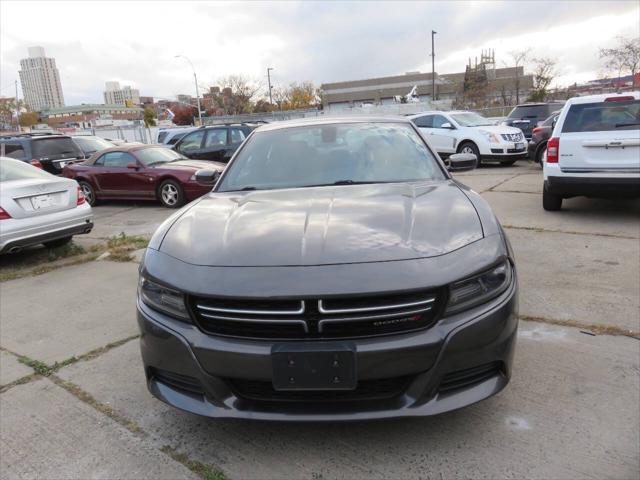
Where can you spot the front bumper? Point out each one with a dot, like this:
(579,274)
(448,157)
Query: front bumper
(24,232)
(481,336)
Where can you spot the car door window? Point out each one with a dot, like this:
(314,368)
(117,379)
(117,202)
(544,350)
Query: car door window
(216,137)
(237,136)
(12,150)
(117,160)
(425,121)
(439,120)
(191,141)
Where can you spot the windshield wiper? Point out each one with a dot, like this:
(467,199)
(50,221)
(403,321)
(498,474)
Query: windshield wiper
(618,125)
(349,182)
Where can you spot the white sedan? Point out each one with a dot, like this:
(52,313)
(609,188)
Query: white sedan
(468,132)
(37,207)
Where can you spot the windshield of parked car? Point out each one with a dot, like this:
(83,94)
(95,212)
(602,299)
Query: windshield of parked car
(603,116)
(157,155)
(17,170)
(92,144)
(471,119)
(333,154)
(534,111)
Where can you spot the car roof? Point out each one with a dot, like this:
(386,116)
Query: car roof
(27,136)
(541,104)
(322,120)
(602,97)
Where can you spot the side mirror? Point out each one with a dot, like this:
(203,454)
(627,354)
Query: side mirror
(133,166)
(461,162)
(553,122)
(207,177)
(447,126)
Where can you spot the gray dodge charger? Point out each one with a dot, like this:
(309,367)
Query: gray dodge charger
(336,271)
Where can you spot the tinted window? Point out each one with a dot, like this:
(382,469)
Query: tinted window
(192,141)
(12,150)
(325,154)
(156,155)
(116,159)
(602,117)
(48,147)
(162,136)
(426,121)
(534,111)
(17,170)
(173,140)
(216,137)
(237,135)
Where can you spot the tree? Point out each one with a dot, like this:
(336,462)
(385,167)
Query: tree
(184,114)
(519,57)
(149,117)
(302,95)
(625,57)
(238,92)
(27,119)
(543,74)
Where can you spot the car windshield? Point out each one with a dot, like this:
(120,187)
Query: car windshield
(17,170)
(603,116)
(157,155)
(471,119)
(333,154)
(92,144)
(534,111)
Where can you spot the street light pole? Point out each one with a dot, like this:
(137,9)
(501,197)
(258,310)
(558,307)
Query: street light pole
(433,66)
(195,78)
(17,110)
(269,80)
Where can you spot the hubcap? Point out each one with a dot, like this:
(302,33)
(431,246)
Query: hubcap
(87,192)
(467,150)
(170,194)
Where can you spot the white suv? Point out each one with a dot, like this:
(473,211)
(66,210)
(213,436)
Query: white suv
(594,149)
(468,132)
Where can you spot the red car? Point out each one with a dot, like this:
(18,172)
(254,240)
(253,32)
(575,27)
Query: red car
(140,172)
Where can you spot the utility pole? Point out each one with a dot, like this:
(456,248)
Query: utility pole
(17,110)
(433,66)
(196,81)
(269,80)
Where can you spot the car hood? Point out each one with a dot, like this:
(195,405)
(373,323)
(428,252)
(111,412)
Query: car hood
(192,165)
(324,225)
(499,129)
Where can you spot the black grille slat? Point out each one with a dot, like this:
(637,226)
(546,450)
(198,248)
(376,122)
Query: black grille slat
(313,318)
(470,376)
(178,381)
(366,390)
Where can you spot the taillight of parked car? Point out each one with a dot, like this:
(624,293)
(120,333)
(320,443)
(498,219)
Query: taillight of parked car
(536,130)
(36,163)
(81,198)
(553,150)
(4,215)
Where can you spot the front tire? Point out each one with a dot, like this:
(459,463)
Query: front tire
(170,194)
(550,201)
(88,192)
(470,147)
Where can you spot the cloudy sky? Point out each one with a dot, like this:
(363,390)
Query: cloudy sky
(135,42)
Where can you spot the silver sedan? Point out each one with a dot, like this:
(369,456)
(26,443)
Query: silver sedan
(37,207)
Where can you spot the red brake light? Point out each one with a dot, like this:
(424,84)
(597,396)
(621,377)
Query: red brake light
(81,199)
(4,215)
(36,163)
(553,150)
(536,130)
(627,98)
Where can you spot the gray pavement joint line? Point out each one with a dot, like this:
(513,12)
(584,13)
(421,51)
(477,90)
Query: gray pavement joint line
(490,189)
(569,232)
(207,472)
(595,328)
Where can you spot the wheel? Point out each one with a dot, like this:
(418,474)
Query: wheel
(89,193)
(550,201)
(58,242)
(170,193)
(506,163)
(470,147)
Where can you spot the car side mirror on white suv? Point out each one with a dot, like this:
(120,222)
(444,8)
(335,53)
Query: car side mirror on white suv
(461,162)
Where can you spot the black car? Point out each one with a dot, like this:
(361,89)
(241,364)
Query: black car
(526,116)
(539,137)
(336,272)
(217,143)
(50,152)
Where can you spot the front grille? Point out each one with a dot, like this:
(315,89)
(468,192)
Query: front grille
(515,150)
(497,150)
(177,381)
(512,137)
(469,376)
(340,317)
(366,390)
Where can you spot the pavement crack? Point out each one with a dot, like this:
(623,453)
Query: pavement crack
(595,328)
(490,189)
(568,232)
(207,472)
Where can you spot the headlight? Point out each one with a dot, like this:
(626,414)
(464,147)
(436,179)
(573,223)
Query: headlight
(162,299)
(489,136)
(479,289)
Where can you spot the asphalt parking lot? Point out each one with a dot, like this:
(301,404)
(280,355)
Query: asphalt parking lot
(571,410)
